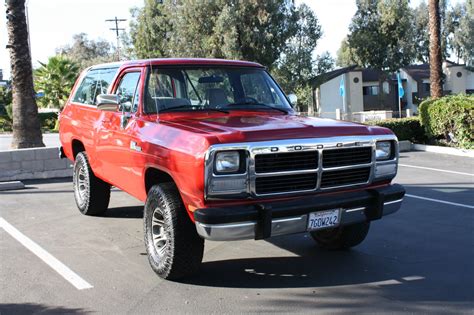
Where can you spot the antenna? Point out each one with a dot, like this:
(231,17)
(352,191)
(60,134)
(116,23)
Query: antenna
(117,30)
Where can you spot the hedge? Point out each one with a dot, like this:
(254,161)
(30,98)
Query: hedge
(48,121)
(449,119)
(404,128)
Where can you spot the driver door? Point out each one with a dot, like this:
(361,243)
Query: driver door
(116,130)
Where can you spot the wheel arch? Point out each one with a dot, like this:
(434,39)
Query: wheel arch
(77,147)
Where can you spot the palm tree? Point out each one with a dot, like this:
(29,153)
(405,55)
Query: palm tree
(436,86)
(55,78)
(26,125)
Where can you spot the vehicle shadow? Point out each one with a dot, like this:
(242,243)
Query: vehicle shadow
(127,212)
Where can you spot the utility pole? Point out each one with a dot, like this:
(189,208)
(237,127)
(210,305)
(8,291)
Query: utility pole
(117,30)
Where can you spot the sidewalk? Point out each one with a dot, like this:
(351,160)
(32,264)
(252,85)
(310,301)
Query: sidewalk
(49,139)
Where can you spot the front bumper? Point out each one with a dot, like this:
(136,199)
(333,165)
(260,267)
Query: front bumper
(263,220)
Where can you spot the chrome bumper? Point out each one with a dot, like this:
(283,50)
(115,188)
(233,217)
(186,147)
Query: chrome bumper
(282,226)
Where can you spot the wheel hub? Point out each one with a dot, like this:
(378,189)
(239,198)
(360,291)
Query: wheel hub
(160,239)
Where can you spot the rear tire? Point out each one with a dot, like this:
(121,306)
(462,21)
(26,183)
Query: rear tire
(342,237)
(91,193)
(174,248)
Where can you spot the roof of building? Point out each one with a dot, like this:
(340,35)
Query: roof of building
(322,78)
(418,72)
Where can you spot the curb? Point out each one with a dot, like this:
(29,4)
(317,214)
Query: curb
(443,150)
(16,185)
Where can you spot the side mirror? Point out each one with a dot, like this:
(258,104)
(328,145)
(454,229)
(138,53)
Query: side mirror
(108,102)
(293,99)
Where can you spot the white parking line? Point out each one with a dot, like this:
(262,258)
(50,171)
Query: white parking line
(49,259)
(436,169)
(441,201)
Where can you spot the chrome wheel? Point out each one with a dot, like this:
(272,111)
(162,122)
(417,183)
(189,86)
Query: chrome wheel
(160,238)
(81,184)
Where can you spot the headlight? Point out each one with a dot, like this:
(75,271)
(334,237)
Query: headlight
(383,150)
(227,162)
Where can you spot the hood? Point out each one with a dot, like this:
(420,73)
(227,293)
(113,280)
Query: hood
(235,128)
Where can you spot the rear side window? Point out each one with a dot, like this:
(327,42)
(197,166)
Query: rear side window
(95,82)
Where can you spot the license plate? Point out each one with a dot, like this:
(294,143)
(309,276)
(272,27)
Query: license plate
(323,219)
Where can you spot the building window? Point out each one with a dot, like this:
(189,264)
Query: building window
(459,74)
(370,90)
(356,80)
(426,87)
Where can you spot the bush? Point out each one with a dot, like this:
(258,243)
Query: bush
(405,128)
(449,119)
(5,124)
(48,120)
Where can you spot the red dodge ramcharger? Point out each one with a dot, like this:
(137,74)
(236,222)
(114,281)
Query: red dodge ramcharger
(215,151)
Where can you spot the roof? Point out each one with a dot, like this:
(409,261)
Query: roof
(180,61)
(418,72)
(322,78)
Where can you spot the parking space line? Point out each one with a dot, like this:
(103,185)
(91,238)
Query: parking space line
(436,169)
(441,201)
(49,259)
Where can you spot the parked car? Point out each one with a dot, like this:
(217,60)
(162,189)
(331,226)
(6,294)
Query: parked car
(215,151)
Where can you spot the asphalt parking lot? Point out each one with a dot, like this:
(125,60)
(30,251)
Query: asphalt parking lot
(418,260)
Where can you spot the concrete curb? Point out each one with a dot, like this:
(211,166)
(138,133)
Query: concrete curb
(36,163)
(404,146)
(443,150)
(16,185)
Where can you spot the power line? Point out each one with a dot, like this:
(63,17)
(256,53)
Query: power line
(117,30)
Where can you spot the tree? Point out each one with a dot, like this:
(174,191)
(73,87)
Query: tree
(345,55)
(149,29)
(436,88)
(86,52)
(297,65)
(381,34)
(236,29)
(26,126)
(463,39)
(56,79)
(421,33)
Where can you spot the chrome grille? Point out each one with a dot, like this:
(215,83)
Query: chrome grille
(288,161)
(347,156)
(345,177)
(286,183)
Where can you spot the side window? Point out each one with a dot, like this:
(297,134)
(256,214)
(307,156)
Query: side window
(128,90)
(95,82)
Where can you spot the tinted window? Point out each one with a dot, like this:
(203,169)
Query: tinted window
(95,82)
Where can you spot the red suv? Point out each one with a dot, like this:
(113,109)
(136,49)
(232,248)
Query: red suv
(216,151)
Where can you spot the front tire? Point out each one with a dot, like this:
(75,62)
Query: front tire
(174,248)
(342,237)
(92,194)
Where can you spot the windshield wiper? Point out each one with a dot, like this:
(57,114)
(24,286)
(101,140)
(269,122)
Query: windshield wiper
(193,107)
(259,104)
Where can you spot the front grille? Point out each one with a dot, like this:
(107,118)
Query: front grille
(288,161)
(285,183)
(347,156)
(345,177)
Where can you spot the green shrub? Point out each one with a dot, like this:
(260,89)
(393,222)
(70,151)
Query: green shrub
(9,110)
(405,128)
(5,124)
(449,119)
(48,120)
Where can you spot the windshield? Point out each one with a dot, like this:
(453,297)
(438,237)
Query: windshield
(212,88)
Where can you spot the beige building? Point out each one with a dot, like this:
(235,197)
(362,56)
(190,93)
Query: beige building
(363,90)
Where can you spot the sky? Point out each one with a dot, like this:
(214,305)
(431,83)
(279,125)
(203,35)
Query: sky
(54,22)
